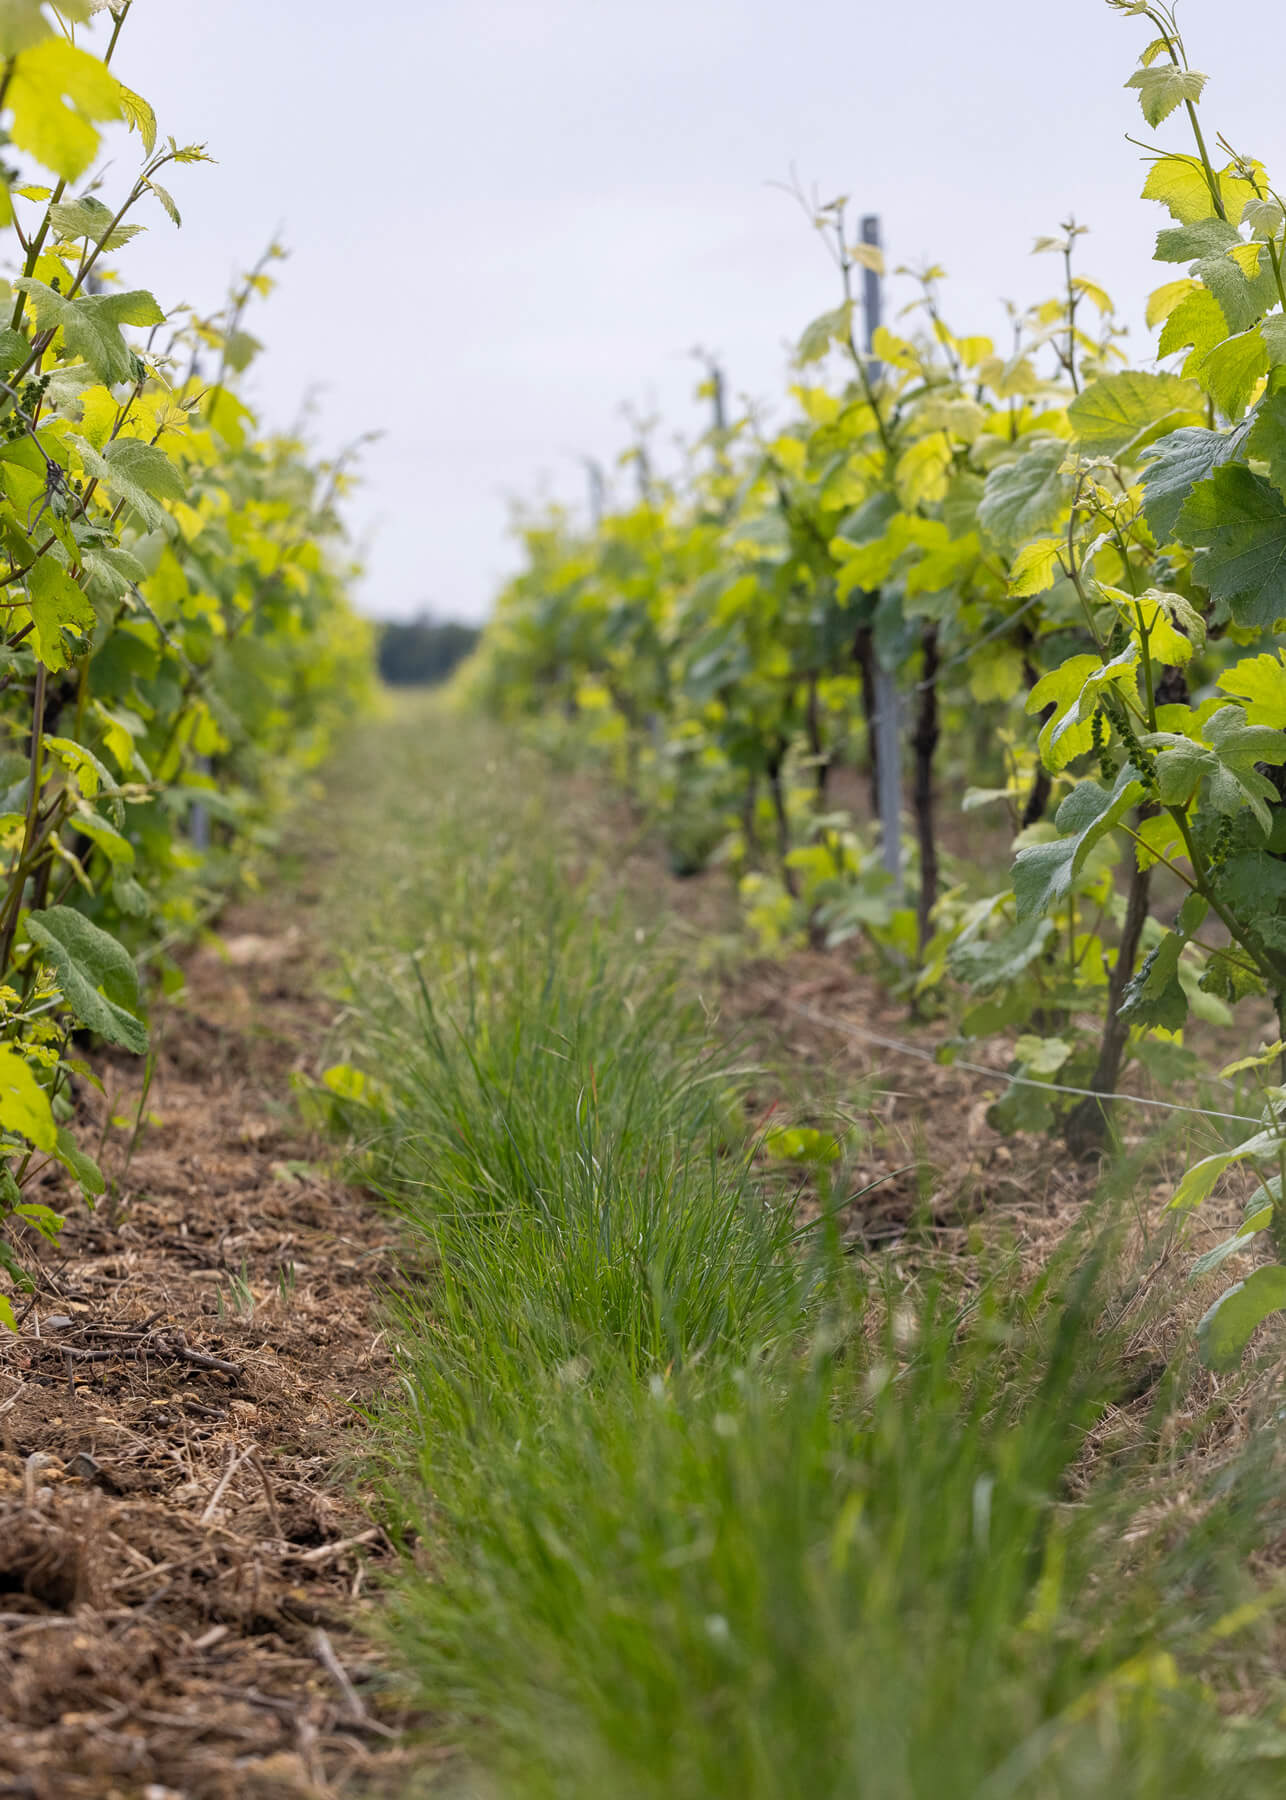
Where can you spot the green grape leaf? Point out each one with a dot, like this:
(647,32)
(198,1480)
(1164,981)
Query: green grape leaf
(14,351)
(80,1164)
(24,1104)
(1266,439)
(1198,240)
(89,218)
(1154,994)
(1243,299)
(1197,322)
(91,324)
(145,466)
(1043,873)
(120,474)
(1225,1330)
(1231,371)
(1175,464)
(1228,978)
(1162,87)
(1121,412)
(1238,521)
(1226,764)
(56,604)
(111,570)
(96,974)
(1253,884)
(1028,496)
(982,964)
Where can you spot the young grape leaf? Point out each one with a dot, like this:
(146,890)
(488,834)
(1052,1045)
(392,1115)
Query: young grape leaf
(1162,87)
(1118,412)
(1025,497)
(24,1104)
(57,93)
(1154,994)
(1179,183)
(89,218)
(1197,322)
(1261,681)
(1224,1332)
(96,974)
(1043,873)
(56,604)
(91,324)
(1231,371)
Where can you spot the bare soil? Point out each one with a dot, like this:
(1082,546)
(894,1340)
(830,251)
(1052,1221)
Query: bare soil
(186,1564)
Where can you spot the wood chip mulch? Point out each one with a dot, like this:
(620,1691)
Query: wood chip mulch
(186,1563)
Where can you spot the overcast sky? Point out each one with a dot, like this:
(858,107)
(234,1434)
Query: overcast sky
(509,218)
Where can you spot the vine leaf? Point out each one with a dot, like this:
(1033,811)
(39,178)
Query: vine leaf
(1175,465)
(1117,413)
(24,1104)
(57,604)
(91,324)
(57,95)
(96,974)
(1238,520)
(1231,1322)
(1163,87)
(1026,496)
(1043,873)
(1261,682)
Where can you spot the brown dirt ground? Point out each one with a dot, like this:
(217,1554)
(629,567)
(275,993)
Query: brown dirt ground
(184,1575)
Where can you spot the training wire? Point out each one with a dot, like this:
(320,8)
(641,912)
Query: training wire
(1048,1087)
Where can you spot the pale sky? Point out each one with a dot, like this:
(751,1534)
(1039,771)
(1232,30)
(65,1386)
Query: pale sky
(509,218)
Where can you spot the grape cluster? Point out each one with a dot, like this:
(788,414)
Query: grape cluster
(25,408)
(1221,850)
(1143,760)
(1098,736)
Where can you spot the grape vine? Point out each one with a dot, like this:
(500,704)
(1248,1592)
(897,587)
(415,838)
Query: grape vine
(175,641)
(1071,567)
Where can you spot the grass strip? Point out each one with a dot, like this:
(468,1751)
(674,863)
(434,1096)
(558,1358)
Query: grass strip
(694,1506)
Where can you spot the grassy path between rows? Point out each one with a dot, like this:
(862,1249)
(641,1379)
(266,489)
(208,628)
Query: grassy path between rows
(694,1503)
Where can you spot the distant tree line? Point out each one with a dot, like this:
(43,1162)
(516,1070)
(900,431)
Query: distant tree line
(419,652)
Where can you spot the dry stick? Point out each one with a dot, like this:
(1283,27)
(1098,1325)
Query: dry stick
(234,1463)
(324,1552)
(339,1675)
(274,1516)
